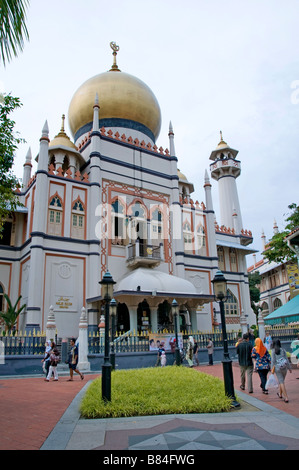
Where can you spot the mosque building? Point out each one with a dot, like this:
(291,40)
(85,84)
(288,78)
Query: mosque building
(112,199)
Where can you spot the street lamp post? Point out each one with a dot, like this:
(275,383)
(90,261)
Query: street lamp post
(113,307)
(175,312)
(220,289)
(107,292)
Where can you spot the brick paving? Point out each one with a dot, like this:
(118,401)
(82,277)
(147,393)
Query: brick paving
(291,383)
(30,408)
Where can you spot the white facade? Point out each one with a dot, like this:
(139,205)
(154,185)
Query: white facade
(113,200)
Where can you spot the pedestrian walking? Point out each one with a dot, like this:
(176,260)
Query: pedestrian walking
(268,341)
(262,360)
(163,359)
(54,360)
(189,352)
(280,365)
(195,354)
(160,350)
(210,347)
(73,361)
(245,362)
(46,359)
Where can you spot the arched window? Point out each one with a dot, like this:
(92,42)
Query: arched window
(55,216)
(265,309)
(231,304)
(201,240)
(233,259)
(65,164)
(78,220)
(8,231)
(220,254)
(118,231)
(157,227)
(138,224)
(188,237)
(1,298)
(277,303)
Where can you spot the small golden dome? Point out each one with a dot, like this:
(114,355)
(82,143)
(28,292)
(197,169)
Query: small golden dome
(181,176)
(62,139)
(222,144)
(124,100)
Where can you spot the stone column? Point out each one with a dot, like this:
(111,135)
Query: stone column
(83,364)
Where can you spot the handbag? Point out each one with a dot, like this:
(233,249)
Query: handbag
(271,382)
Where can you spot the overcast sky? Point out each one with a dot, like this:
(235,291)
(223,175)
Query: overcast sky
(213,65)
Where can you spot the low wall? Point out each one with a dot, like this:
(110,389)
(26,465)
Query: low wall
(32,365)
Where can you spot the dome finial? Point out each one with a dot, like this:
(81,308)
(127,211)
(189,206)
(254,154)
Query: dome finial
(115,49)
(62,123)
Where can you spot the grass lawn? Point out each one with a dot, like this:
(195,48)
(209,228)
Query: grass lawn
(156,391)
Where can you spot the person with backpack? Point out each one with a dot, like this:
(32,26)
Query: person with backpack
(280,365)
(54,360)
(262,360)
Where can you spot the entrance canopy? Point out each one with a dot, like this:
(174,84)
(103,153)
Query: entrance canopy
(145,281)
(288,313)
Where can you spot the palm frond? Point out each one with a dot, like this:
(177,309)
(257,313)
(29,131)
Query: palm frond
(13,29)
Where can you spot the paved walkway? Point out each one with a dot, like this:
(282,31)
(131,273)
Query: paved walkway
(35,414)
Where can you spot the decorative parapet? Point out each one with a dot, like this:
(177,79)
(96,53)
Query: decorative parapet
(231,231)
(127,140)
(190,202)
(68,174)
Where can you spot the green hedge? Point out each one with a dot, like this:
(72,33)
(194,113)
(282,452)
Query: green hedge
(156,391)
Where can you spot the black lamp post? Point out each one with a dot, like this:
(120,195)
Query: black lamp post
(107,292)
(220,289)
(175,312)
(113,307)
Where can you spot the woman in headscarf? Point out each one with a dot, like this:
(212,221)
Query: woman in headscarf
(262,362)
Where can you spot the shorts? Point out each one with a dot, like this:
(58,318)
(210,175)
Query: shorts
(72,366)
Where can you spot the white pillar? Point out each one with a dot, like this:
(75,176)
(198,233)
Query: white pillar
(243,323)
(261,325)
(83,363)
(51,325)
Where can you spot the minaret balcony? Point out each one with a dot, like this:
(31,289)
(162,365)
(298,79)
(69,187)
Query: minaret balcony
(225,166)
(144,254)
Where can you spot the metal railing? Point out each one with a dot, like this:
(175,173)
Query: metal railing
(131,341)
(31,344)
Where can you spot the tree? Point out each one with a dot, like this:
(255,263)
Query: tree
(254,280)
(13,28)
(8,145)
(12,313)
(277,249)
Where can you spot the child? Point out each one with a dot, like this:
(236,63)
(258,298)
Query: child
(54,359)
(163,359)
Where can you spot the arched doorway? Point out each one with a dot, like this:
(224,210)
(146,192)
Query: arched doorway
(143,316)
(164,315)
(123,318)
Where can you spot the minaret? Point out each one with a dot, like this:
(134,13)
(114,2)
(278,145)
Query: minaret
(263,237)
(210,218)
(225,169)
(175,208)
(95,221)
(275,227)
(27,169)
(37,258)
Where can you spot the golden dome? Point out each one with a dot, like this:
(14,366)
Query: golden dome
(124,100)
(62,139)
